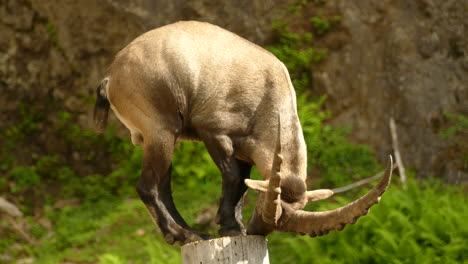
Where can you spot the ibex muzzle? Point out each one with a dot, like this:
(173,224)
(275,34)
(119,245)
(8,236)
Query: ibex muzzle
(196,81)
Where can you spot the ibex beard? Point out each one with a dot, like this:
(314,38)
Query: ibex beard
(196,81)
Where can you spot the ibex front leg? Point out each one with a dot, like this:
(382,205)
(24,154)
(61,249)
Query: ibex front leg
(234,173)
(154,189)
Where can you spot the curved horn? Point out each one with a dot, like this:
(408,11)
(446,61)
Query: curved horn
(320,223)
(271,211)
(317,195)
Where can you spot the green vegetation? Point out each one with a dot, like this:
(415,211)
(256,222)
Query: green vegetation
(28,124)
(329,151)
(422,224)
(296,51)
(320,25)
(459,124)
(456,134)
(53,35)
(82,210)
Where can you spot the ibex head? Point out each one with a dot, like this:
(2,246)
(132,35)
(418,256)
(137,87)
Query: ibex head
(284,196)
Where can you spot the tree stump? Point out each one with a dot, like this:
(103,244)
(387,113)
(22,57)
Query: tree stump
(227,250)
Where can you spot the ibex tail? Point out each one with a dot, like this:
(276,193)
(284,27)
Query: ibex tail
(101,108)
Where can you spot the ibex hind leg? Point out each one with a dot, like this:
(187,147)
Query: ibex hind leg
(234,172)
(154,189)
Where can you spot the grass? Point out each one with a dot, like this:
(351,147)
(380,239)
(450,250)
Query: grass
(104,232)
(423,224)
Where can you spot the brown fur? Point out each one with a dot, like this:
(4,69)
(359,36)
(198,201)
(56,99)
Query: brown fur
(196,81)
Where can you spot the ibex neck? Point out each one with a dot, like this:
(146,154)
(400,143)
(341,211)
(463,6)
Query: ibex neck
(294,151)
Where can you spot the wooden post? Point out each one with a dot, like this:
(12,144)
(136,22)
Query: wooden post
(227,250)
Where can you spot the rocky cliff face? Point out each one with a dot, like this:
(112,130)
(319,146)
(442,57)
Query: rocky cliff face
(406,59)
(54,54)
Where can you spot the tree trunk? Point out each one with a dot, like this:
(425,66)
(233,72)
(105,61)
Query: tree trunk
(227,250)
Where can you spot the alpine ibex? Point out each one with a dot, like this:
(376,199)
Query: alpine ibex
(196,81)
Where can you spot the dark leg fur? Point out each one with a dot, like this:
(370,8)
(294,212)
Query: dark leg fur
(234,172)
(232,199)
(154,189)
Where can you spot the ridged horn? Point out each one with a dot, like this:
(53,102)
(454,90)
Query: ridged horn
(320,223)
(271,211)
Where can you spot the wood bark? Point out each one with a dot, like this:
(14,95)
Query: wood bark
(227,250)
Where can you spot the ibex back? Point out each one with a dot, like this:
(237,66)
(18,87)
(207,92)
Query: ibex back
(196,81)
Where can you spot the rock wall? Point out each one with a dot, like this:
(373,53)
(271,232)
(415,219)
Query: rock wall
(62,49)
(54,53)
(406,59)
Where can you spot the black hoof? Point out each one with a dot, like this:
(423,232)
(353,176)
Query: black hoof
(231,232)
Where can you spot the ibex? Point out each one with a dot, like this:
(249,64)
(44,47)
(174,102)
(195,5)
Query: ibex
(196,81)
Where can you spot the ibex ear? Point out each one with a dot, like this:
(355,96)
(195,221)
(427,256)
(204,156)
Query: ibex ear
(318,195)
(259,186)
